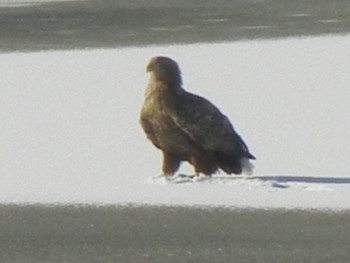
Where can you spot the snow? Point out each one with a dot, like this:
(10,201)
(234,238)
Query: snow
(70,131)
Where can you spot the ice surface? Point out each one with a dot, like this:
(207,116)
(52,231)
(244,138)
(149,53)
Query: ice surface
(70,129)
(17,3)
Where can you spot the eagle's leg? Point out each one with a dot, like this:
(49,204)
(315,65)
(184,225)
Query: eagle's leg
(203,165)
(171,164)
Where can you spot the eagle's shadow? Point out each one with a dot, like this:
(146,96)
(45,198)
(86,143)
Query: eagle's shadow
(289,179)
(278,181)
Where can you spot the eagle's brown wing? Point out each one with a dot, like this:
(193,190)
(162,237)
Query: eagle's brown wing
(206,125)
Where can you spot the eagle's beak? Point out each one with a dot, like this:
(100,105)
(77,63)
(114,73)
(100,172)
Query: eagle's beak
(149,67)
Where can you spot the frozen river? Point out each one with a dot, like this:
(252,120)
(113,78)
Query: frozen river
(86,234)
(26,25)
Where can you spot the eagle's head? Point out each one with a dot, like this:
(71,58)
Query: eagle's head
(166,71)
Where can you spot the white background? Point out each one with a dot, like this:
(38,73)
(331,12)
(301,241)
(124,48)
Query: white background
(70,132)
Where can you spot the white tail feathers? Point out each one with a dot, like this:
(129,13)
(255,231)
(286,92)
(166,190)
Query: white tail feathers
(247,166)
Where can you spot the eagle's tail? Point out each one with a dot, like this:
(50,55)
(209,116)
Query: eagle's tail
(247,166)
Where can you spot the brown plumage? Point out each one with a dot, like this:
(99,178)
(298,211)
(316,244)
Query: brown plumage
(187,127)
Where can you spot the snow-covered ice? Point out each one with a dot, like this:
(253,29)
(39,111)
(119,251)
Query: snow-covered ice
(70,133)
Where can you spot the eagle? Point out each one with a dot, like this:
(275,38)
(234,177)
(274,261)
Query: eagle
(188,127)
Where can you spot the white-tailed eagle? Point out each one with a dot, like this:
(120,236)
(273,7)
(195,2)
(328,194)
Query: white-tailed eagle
(187,127)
